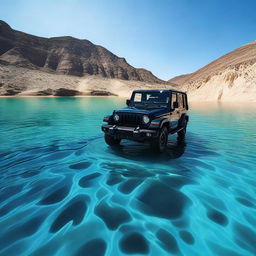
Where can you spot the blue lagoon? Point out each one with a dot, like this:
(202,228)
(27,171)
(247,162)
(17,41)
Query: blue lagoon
(63,191)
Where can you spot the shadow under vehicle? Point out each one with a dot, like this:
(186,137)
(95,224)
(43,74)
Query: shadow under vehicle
(150,116)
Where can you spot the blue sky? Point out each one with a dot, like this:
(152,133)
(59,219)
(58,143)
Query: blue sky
(168,37)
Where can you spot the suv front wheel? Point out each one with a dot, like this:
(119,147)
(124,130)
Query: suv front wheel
(160,143)
(111,141)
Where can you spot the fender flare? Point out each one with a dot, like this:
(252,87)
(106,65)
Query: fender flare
(108,119)
(160,121)
(184,117)
(164,121)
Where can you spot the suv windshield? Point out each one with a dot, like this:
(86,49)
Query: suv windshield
(150,99)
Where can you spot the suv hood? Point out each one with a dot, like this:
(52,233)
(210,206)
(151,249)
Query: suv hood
(150,112)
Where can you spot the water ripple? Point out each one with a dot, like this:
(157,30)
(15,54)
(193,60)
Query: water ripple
(81,197)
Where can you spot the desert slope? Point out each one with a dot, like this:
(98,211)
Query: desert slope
(232,77)
(64,60)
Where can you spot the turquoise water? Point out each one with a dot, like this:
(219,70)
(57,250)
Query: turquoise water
(65,192)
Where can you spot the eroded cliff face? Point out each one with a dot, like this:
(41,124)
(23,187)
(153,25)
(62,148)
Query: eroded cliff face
(232,84)
(19,81)
(65,55)
(232,77)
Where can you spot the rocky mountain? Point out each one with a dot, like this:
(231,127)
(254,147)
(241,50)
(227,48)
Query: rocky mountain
(66,56)
(231,77)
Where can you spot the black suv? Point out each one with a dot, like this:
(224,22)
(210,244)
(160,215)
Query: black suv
(150,115)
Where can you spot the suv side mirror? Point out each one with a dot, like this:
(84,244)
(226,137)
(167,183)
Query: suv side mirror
(175,104)
(128,102)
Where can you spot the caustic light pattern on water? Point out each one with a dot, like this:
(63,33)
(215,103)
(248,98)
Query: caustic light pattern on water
(65,192)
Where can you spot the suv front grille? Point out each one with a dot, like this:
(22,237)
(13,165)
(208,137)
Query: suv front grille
(129,119)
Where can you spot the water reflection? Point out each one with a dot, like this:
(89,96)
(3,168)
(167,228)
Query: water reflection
(192,146)
(143,151)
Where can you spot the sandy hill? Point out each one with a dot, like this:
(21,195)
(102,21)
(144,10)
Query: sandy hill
(232,77)
(24,54)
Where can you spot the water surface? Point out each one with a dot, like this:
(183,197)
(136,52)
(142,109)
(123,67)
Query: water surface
(63,191)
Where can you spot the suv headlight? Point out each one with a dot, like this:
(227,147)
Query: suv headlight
(116,117)
(145,119)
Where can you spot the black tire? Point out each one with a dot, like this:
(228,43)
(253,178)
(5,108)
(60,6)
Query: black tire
(182,133)
(111,141)
(160,143)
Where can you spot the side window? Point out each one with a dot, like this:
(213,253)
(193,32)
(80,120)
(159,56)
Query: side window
(137,97)
(180,100)
(174,99)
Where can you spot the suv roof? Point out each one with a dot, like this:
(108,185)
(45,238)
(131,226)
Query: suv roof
(159,90)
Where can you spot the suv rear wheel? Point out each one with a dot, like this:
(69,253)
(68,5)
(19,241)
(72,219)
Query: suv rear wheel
(182,133)
(160,143)
(111,141)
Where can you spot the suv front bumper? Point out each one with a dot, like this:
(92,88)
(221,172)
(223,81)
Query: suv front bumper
(130,133)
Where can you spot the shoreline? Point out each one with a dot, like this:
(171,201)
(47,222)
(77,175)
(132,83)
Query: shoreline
(52,96)
(113,96)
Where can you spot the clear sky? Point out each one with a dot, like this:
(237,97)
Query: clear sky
(168,37)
